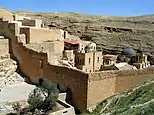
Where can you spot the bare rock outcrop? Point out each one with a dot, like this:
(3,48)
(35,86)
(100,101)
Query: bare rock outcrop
(8,74)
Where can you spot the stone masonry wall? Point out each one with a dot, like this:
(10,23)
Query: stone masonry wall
(29,62)
(131,78)
(75,80)
(108,83)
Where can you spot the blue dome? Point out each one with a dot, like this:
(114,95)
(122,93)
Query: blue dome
(129,52)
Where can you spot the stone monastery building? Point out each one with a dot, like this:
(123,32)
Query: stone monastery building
(53,54)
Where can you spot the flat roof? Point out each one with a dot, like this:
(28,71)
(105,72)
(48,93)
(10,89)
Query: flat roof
(32,27)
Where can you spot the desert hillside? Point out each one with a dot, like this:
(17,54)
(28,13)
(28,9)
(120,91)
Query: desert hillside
(111,33)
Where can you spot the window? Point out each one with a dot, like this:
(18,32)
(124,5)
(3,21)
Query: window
(106,62)
(41,63)
(98,60)
(78,60)
(64,35)
(82,61)
(89,60)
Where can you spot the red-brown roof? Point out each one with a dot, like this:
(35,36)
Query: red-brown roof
(72,42)
(110,57)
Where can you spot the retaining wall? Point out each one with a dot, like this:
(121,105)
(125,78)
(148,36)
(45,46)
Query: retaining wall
(104,84)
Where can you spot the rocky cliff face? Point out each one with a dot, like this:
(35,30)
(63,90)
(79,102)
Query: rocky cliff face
(8,67)
(111,34)
(8,74)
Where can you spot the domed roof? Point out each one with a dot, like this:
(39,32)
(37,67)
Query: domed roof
(129,52)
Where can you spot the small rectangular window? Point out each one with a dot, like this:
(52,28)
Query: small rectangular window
(83,61)
(89,60)
(78,60)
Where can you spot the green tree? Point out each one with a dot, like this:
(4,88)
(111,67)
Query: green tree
(44,96)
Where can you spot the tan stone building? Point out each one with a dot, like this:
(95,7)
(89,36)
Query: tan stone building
(20,18)
(33,23)
(85,46)
(89,61)
(141,61)
(109,60)
(39,35)
(72,45)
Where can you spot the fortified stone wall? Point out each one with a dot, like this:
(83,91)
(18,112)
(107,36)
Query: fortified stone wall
(53,49)
(30,64)
(127,79)
(108,83)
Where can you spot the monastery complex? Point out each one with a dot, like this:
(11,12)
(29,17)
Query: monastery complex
(45,52)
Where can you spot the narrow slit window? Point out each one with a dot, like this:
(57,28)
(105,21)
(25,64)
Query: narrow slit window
(98,60)
(89,60)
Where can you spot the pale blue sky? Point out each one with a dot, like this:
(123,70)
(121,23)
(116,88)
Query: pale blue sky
(101,7)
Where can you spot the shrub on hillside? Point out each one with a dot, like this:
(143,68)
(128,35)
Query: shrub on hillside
(44,97)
